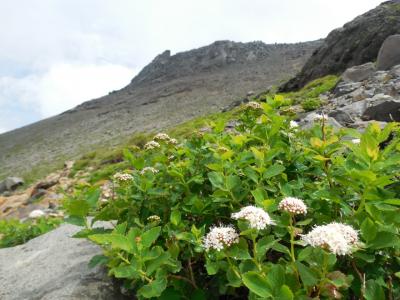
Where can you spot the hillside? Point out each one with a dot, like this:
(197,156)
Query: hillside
(170,90)
(356,43)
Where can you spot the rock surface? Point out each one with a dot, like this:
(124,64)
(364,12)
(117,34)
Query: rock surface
(389,54)
(54,266)
(356,104)
(10,183)
(356,43)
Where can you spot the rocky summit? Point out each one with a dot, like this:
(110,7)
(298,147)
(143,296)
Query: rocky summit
(170,90)
(356,43)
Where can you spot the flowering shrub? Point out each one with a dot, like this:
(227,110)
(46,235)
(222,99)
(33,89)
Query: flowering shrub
(268,211)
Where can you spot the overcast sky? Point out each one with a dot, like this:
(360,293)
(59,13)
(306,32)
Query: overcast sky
(56,54)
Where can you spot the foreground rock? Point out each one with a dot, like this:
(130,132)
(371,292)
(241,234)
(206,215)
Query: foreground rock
(54,266)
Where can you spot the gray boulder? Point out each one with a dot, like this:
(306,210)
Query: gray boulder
(389,54)
(387,111)
(342,117)
(10,183)
(358,73)
(54,266)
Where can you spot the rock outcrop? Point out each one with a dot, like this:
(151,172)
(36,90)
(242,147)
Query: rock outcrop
(54,266)
(356,103)
(356,43)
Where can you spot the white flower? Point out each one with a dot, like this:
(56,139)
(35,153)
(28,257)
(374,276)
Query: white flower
(153,218)
(173,141)
(253,105)
(162,137)
(37,213)
(336,237)
(355,141)
(293,124)
(257,217)
(220,237)
(123,177)
(149,169)
(293,205)
(151,145)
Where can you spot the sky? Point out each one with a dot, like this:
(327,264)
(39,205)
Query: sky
(56,54)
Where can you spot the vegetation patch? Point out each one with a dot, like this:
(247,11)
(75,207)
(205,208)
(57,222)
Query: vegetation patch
(266,211)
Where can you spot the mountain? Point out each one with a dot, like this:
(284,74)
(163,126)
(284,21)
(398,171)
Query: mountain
(355,43)
(170,90)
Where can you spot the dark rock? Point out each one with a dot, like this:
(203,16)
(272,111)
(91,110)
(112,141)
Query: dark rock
(342,117)
(387,111)
(358,73)
(345,88)
(10,184)
(54,266)
(389,54)
(356,43)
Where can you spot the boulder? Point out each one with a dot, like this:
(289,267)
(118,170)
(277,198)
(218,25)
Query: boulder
(346,87)
(389,54)
(342,117)
(386,111)
(54,266)
(358,73)
(10,183)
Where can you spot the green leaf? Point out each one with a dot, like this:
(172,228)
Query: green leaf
(233,276)
(285,293)
(368,229)
(276,277)
(374,291)
(258,195)
(93,196)
(117,241)
(384,240)
(306,274)
(274,170)
(257,284)
(77,208)
(150,236)
(98,260)
(233,182)
(217,180)
(154,288)
(175,217)
(211,267)
(157,262)
(124,272)
(264,244)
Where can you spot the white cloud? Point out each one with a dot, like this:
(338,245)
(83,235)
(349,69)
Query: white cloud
(57,54)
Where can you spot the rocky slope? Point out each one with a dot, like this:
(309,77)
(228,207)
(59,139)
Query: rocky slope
(170,90)
(356,43)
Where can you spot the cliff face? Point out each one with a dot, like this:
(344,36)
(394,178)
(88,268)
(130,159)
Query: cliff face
(170,90)
(355,43)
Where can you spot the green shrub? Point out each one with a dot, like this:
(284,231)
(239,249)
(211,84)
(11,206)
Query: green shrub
(15,232)
(167,205)
(311,104)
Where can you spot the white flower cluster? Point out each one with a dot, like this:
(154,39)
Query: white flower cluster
(37,213)
(355,141)
(256,216)
(253,105)
(220,237)
(151,145)
(148,169)
(320,117)
(165,138)
(338,238)
(293,124)
(123,177)
(154,218)
(293,205)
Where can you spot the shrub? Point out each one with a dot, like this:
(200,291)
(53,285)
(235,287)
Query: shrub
(311,104)
(15,232)
(234,215)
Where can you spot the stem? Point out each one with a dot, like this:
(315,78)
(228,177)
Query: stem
(291,231)
(184,279)
(255,259)
(361,276)
(123,258)
(191,273)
